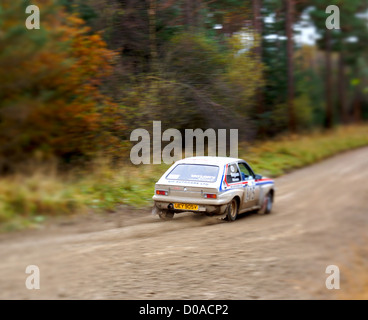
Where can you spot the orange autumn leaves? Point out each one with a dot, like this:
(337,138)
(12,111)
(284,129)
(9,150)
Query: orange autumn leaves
(50,98)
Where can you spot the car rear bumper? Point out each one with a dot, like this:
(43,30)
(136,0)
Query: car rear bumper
(213,209)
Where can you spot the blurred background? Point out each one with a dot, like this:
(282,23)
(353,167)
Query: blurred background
(72,92)
(96,70)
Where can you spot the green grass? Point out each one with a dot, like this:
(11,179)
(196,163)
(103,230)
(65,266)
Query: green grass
(286,153)
(27,201)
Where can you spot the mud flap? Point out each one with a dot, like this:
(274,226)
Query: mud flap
(155,211)
(227,210)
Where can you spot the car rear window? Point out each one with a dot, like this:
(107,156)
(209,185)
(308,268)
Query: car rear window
(194,172)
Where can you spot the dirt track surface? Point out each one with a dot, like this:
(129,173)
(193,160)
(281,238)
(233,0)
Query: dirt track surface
(320,214)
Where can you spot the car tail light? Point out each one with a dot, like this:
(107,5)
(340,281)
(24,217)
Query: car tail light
(210,195)
(162,192)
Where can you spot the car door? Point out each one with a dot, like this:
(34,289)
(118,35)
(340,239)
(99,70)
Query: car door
(251,192)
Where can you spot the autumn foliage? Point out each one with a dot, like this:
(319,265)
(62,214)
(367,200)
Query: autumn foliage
(51,104)
(98,69)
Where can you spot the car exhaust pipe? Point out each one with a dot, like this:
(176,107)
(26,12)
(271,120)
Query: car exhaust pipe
(170,206)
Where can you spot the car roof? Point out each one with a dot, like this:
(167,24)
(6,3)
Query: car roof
(208,160)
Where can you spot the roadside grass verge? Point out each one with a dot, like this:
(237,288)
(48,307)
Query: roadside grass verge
(285,153)
(27,201)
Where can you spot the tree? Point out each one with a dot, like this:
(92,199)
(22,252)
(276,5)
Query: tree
(258,30)
(152,33)
(50,102)
(290,63)
(350,44)
(329,83)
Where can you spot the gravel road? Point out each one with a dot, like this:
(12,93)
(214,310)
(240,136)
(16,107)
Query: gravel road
(320,217)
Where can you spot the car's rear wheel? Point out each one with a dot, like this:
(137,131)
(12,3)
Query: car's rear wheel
(166,214)
(267,204)
(232,210)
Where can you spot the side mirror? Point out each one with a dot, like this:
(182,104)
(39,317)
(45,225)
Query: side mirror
(258,177)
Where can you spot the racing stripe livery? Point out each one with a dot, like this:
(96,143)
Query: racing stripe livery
(212,185)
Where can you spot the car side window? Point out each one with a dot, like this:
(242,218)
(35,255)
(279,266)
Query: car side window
(233,174)
(245,171)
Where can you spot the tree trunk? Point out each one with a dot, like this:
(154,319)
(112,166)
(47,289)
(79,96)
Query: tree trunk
(258,25)
(342,89)
(258,28)
(196,5)
(357,105)
(152,33)
(290,64)
(329,99)
(188,13)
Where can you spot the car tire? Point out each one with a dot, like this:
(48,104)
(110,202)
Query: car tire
(232,210)
(166,214)
(267,204)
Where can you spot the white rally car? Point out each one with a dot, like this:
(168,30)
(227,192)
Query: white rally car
(212,185)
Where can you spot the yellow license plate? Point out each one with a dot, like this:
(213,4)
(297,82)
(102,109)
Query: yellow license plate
(186,206)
